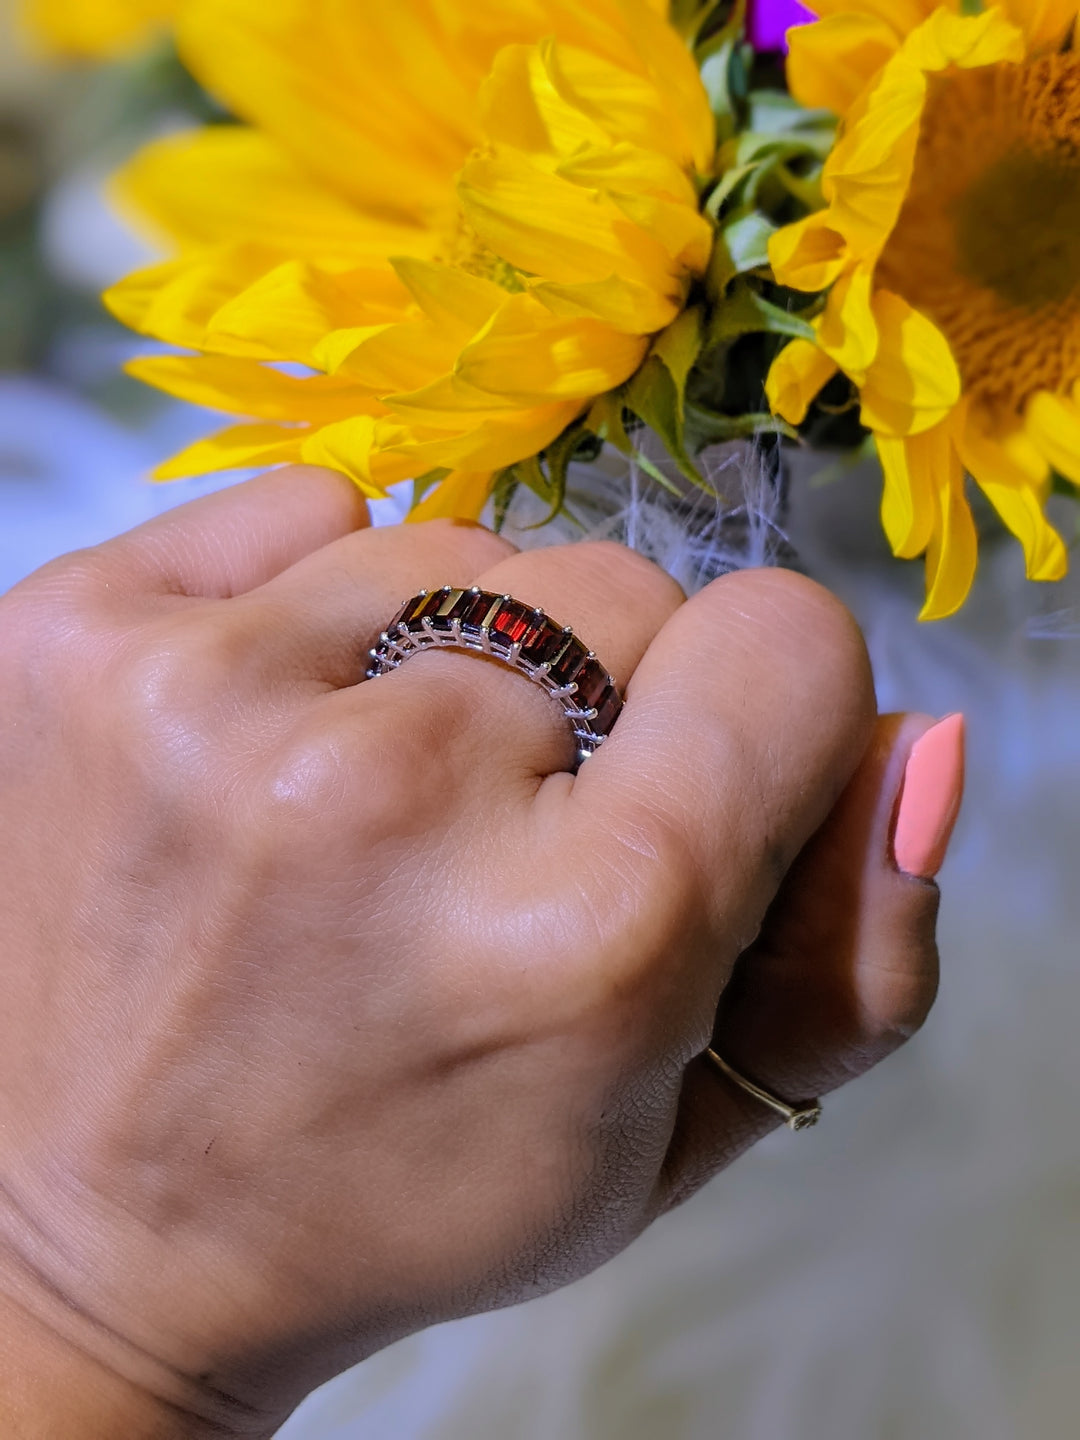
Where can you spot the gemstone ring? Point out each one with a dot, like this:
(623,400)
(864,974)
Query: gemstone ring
(483,623)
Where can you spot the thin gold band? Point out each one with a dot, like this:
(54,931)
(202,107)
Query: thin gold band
(796,1117)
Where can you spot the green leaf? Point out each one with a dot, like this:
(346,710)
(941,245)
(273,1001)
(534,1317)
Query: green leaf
(753,148)
(716,77)
(679,346)
(742,245)
(710,428)
(605,421)
(655,473)
(712,41)
(804,190)
(531,473)
(746,312)
(693,17)
(774,112)
(557,459)
(503,491)
(657,393)
(423,483)
(726,188)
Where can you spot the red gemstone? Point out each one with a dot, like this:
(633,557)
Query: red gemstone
(454,604)
(591,681)
(512,623)
(541,640)
(425,605)
(568,661)
(476,611)
(607,711)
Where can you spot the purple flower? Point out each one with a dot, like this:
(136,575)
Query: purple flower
(770,20)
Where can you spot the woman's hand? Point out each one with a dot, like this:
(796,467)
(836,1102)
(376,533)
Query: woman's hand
(335,1009)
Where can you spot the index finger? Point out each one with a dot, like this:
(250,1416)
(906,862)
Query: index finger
(743,723)
(237,539)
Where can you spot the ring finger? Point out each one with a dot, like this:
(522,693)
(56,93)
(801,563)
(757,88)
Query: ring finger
(334,605)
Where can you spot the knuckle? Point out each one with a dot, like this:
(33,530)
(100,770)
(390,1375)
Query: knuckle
(168,669)
(480,547)
(304,780)
(173,688)
(56,613)
(613,571)
(799,619)
(380,770)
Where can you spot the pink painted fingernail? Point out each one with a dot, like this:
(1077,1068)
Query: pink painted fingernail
(930,799)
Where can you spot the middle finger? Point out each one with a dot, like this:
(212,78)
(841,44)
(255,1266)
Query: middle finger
(488,717)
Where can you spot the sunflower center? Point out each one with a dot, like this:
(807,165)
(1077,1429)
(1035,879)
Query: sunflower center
(988,240)
(1018,229)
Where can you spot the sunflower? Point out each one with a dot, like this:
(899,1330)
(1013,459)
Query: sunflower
(93,29)
(445,228)
(950,249)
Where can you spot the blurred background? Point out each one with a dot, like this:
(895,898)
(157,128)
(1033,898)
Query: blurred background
(908,1271)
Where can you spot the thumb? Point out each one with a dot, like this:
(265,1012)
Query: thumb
(845,967)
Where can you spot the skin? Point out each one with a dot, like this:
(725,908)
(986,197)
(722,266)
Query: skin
(333,1010)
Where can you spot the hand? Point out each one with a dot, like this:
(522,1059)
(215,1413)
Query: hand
(334,1009)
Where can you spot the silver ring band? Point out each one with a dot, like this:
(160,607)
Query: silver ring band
(483,623)
(796,1117)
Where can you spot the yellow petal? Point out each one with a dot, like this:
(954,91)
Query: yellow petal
(623,169)
(238,448)
(832,62)
(1044,22)
(461,496)
(798,375)
(685,234)
(619,104)
(1053,423)
(520,108)
(969,41)
(453,300)
(903,15)
(549,227)
(286,314)
(245,387)
(554,102)
(953,551)
(390,359)
(670,66)
(867,175)
(360,94)
(848,331)
(176,300)
(491,444)
(230,183)
(620,303)
(102,28)
(914,382)
(1017,496)
(347,446)
(448,406)
(808,255)
(526,355)
(908,506)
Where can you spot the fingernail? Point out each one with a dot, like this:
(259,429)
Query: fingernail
(930,799)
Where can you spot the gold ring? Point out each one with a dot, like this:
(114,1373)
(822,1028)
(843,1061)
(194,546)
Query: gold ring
(796,1117)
